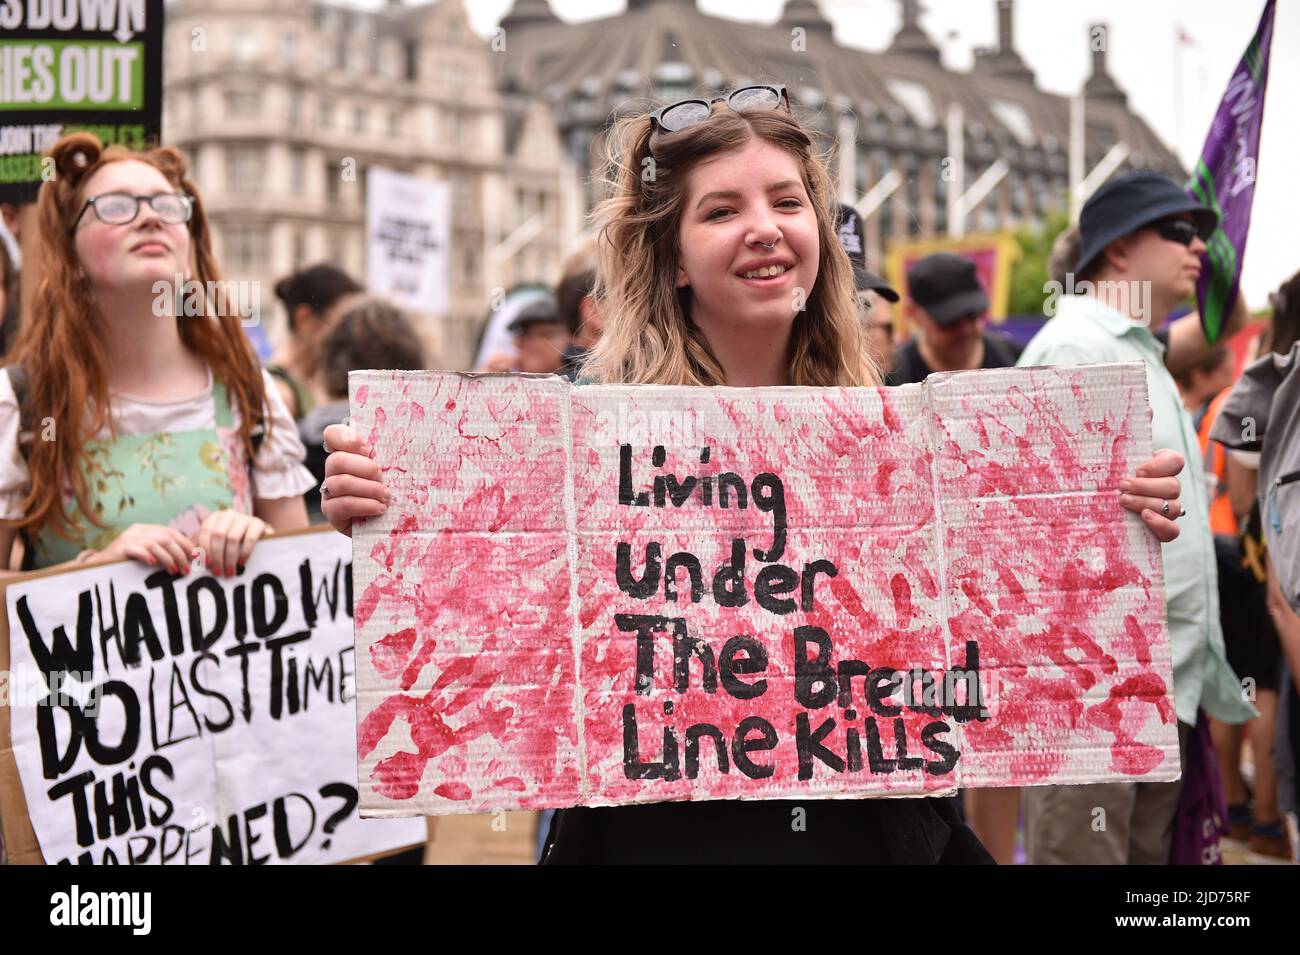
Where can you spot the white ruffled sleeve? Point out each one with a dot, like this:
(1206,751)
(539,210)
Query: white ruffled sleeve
(278,469)
(13,469)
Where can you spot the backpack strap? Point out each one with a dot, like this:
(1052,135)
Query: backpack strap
(18,380)
(26,413)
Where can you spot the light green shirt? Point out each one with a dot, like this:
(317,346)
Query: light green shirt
(1086,331)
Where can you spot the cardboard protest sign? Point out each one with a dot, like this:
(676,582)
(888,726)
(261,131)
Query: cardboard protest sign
(605,595)
(187,720)
(65,67)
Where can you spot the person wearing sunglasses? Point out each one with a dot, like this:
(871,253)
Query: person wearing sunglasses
(130,428)
(1141,241)
(723,268)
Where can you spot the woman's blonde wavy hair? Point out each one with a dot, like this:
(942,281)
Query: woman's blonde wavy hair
(649,337)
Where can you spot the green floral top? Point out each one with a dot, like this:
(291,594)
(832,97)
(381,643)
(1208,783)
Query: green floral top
(172,463)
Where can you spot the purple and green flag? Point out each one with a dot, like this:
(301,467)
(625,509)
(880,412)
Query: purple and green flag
(1225,176)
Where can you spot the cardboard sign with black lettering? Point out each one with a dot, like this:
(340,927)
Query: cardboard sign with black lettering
(192,719)
(68,66)
(603,595)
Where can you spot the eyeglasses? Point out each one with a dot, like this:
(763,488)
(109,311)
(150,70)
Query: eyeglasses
(686,113)
(1182,231)
(120,208)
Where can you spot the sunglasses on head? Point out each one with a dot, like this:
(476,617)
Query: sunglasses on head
(1182,231)
(686,113)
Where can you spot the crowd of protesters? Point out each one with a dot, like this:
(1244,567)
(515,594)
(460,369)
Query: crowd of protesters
(665,292)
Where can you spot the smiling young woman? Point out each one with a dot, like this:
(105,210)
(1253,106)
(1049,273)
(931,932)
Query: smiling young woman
(125,430)
(684,232)
(720,266)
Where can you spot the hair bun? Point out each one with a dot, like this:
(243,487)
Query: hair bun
(76,153)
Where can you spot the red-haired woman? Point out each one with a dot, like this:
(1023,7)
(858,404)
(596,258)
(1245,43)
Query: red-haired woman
(129,427)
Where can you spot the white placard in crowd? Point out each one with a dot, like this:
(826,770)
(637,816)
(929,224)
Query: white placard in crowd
(193,719)
(408,239)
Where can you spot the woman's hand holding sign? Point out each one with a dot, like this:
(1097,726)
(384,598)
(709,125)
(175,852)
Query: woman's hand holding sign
(1153,493)
(352,487)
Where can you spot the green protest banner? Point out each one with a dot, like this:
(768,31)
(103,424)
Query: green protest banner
(66,67)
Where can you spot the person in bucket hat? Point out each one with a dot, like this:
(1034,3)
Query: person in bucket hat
(1141,242)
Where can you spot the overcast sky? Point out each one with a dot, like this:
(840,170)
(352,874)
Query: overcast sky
(1144,57)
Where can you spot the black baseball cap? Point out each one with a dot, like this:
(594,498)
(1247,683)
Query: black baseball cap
(543,311)
(871,282)
(851,232)
(947,287)
(1127,203)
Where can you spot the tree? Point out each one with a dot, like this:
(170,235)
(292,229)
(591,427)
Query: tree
(1029,274)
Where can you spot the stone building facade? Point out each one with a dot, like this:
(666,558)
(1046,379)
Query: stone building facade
(282,108)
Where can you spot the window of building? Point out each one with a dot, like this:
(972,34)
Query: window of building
(299,249)
(326,114)
(940,193)
(333,174)
(390,61)
(1040,197)
(394,123)
(295,108)
(245,168)
(243,104)
(358,120)
(910,192)
(289,48)
(1016,186)
(172,115)
(579,146)
(882,163)
(411,57)
(463,193)
(521,207)
(469,266)
(297,170)
(914,98)
(244,248)
(455,128)
(1015,119)
(245,47)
